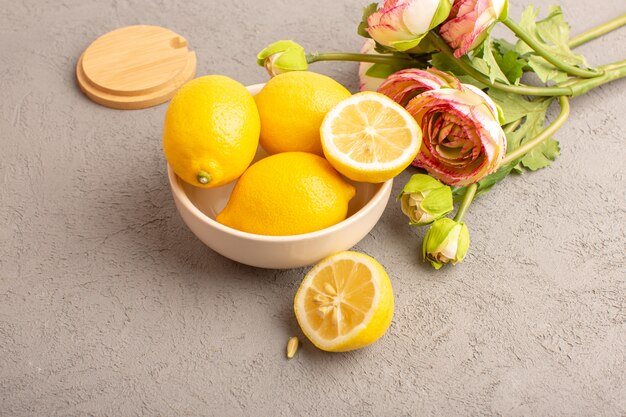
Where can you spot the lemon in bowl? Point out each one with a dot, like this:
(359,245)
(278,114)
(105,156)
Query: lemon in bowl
(289,193)
(369,137)
(292,106)
(199,208)
(211,131)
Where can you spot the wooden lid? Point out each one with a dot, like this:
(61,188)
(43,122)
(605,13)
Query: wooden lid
(135,67)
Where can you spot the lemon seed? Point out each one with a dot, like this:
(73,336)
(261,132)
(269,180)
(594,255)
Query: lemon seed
(292,347)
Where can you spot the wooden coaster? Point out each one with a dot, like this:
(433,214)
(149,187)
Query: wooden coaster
(135,67)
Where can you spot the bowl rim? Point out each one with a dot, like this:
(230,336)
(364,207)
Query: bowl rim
(177,189)
(385,189)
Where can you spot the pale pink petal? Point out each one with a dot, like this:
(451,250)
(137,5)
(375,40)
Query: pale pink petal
(374,19)
(468,24)
(401,21)
(405,84)
(462,138)
(384,34)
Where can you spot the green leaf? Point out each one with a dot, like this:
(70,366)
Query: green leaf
(505,51)
(483,67)
(489,181)
(553,33)
(511,65)
(496,72)
(555,30)
(493,68)
(503,46)
(533,124)
(514,106)
(542,155)
(382,70)
(468,79)
(485,184)
(546,71)
(367,11)
(382,49)
(484,61)
(443,63)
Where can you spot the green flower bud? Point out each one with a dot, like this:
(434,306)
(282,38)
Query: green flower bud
(445,242)
(424,199)
(282,56)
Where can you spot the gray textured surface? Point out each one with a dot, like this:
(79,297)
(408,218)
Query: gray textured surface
(110,306)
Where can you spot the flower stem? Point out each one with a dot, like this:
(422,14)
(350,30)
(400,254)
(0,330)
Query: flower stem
(614,66)
(545,54)
(537,140)
(470,192)
(598,31)
(611,72)
(348,56)
(512,126)
(478,76)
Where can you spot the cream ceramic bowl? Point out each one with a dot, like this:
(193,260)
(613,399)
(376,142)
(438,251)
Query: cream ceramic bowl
(199,206)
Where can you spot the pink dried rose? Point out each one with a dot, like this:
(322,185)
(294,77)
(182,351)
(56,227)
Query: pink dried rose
(469,23)
(403,85)
(463,141)
(402,24)
(462,137)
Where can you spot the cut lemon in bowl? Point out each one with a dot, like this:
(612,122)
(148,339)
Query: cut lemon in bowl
(370,138)
(345,302)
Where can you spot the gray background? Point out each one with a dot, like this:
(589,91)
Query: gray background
(110,306)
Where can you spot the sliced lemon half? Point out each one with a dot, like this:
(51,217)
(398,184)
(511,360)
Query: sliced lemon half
(345,302)
(370,138)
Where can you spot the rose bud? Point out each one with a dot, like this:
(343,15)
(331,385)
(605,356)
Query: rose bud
(445,242)
(462,137)
(424,199)
(401,24)
(470,21)
(282,56)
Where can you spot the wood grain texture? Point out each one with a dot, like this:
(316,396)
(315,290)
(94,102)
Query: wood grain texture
(135,67)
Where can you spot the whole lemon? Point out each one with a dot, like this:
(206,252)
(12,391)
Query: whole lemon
(292,106)
(287,194)
(211,131)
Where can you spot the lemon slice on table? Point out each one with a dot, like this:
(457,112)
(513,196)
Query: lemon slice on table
(370,138)
(345,302)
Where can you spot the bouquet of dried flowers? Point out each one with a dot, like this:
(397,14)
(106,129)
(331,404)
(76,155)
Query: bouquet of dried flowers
(479,121)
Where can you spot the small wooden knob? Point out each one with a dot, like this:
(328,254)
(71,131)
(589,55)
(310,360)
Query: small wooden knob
(135,67)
